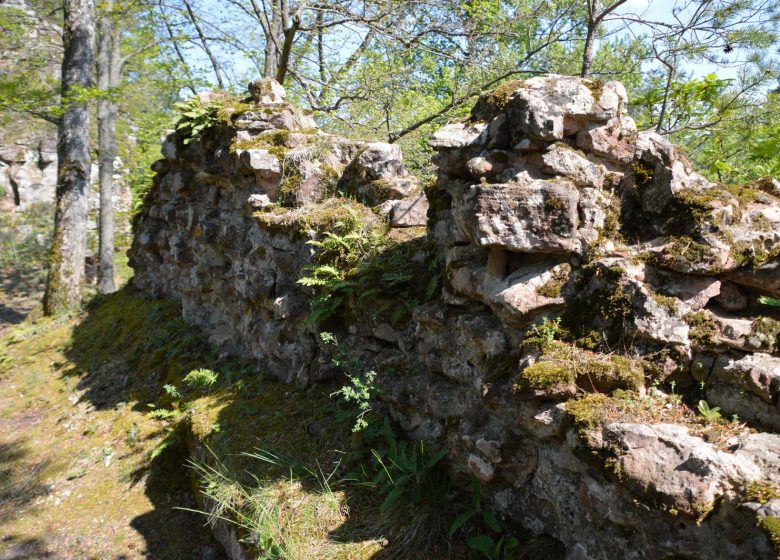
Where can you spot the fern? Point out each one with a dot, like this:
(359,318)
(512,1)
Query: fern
(201,378)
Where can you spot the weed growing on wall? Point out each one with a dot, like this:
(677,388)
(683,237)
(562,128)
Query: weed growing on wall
(367,267)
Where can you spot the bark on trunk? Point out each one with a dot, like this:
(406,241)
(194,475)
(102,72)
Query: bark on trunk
(108,61)
(66,266)
(587,55)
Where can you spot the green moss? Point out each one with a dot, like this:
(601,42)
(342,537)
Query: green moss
(607,309)
(643,173)
(761,491)
(667,302)
(554,286)
(543,375)
(565,364)
(703,330)
(231,108)
(588,411)
(491,104)
(684,252)
(765,334)
(332,214)
(596,88)
(753,253)
(771,526)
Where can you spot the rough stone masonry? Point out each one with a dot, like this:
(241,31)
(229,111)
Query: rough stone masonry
(595,293)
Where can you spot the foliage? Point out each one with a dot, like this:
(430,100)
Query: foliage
(201,378)
(195,117)
(710,414)
(774,302)
(360,391)
(495,543)
(365,267)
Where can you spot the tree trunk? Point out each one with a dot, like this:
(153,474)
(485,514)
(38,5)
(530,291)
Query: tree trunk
(108,77)
(66,266)
(587,55)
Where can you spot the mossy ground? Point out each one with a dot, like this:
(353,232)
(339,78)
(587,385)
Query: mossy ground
(76,481)
(87,472)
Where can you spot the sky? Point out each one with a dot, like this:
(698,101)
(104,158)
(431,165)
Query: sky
(658,10)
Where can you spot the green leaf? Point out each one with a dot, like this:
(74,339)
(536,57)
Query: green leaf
(483,544)
(461,520)
(491,521)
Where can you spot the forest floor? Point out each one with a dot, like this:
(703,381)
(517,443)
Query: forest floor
(97,425)
(75,478)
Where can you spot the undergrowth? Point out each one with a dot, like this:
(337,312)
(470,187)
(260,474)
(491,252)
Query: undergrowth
(369,268)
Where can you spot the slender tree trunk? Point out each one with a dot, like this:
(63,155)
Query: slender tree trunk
(665,103)
(108,77)
(273,41)
(66,266)
(590,37)
(587,55)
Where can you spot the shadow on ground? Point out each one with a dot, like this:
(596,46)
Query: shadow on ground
(120,353)
(129,347)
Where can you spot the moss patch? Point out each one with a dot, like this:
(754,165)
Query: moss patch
(565,364)
(761,491)
(753,253)
(771,526)
(493,103)
(684,253)
(333,214)
(554,286)
(596,88)
(703,330)
(599,304)
(666,302)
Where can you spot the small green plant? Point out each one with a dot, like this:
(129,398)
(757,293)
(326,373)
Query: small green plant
(172,391)
(545,332)
(195,118)
(201,378)
(709,414)
(494,543)
(360,267)
(360,391)
(774,302)
(133,435)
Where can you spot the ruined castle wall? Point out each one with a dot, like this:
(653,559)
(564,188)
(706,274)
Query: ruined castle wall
(573,289)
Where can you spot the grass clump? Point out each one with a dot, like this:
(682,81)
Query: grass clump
(337,215)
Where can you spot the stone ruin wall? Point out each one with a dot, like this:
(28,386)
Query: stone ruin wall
(548,204)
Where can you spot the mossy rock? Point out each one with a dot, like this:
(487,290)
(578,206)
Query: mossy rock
(562,364)
(771,526)
(704,330)
(493,103)
(761,491)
